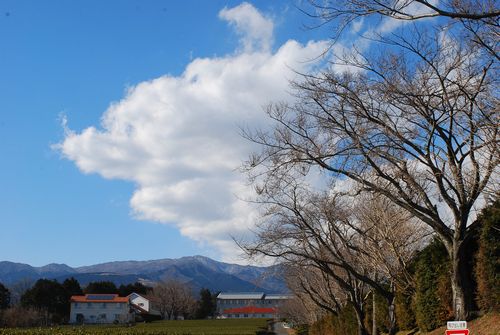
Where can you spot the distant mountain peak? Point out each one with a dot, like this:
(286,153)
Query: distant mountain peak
(55,267)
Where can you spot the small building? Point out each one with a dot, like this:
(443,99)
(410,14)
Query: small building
(276,300)
(257,304)
(249,312)
(143,308)
(230,300)
(138,300)
(100,308)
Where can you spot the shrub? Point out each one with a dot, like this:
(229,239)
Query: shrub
(21,317)
(342,324)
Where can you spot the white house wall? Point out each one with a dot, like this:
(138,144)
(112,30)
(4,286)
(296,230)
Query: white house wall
(139,301)
(98,312)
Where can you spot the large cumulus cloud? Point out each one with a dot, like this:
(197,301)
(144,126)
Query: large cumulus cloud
(177,138)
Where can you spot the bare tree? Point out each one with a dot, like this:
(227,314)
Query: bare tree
(18,289)
(312,231)
(315,287)
(390,238)
(337,248)
(407,9)
(172,299)
(330,288)
(299,311)
(476,19)
(304,308)
(418,126)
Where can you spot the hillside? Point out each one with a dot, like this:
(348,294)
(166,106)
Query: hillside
(488,324)
(197,271)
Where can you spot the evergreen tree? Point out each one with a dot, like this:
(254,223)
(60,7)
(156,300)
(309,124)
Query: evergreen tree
(405,314)
(206,304)
(72,287)
(4,297)
(433,294)
(487,269)
(101,287)
(49,297)
(137,287)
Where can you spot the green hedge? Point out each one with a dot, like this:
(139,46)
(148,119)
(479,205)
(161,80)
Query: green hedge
(487,269)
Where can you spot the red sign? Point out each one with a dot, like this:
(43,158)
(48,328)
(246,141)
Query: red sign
(457,332)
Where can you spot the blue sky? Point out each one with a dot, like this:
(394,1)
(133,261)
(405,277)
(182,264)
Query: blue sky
(69,60)
(120,121)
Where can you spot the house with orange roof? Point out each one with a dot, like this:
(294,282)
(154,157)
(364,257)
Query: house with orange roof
(100,308)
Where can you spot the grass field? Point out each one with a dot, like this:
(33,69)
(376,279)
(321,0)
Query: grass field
(188,327)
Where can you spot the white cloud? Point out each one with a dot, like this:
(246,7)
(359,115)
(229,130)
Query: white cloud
(255,29)
(357,25)
(177,138)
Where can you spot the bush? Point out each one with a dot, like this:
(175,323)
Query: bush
(342,324)
(21,317)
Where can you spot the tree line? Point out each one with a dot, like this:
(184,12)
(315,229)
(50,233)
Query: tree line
(426,304)
(47,302)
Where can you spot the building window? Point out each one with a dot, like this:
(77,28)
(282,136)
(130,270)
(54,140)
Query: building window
(76,305)
(103,305)
(236,315)
(89,305)
(245,315)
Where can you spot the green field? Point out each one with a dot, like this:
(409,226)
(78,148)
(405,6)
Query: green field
(188,327)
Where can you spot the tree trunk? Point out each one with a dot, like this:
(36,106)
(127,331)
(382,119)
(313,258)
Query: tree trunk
(391,303)
(460,282)
(360,317)
(374,314)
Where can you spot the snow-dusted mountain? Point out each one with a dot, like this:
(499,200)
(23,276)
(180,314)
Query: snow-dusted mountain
(198,271)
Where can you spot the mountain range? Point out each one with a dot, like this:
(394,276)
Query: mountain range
(197,271)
